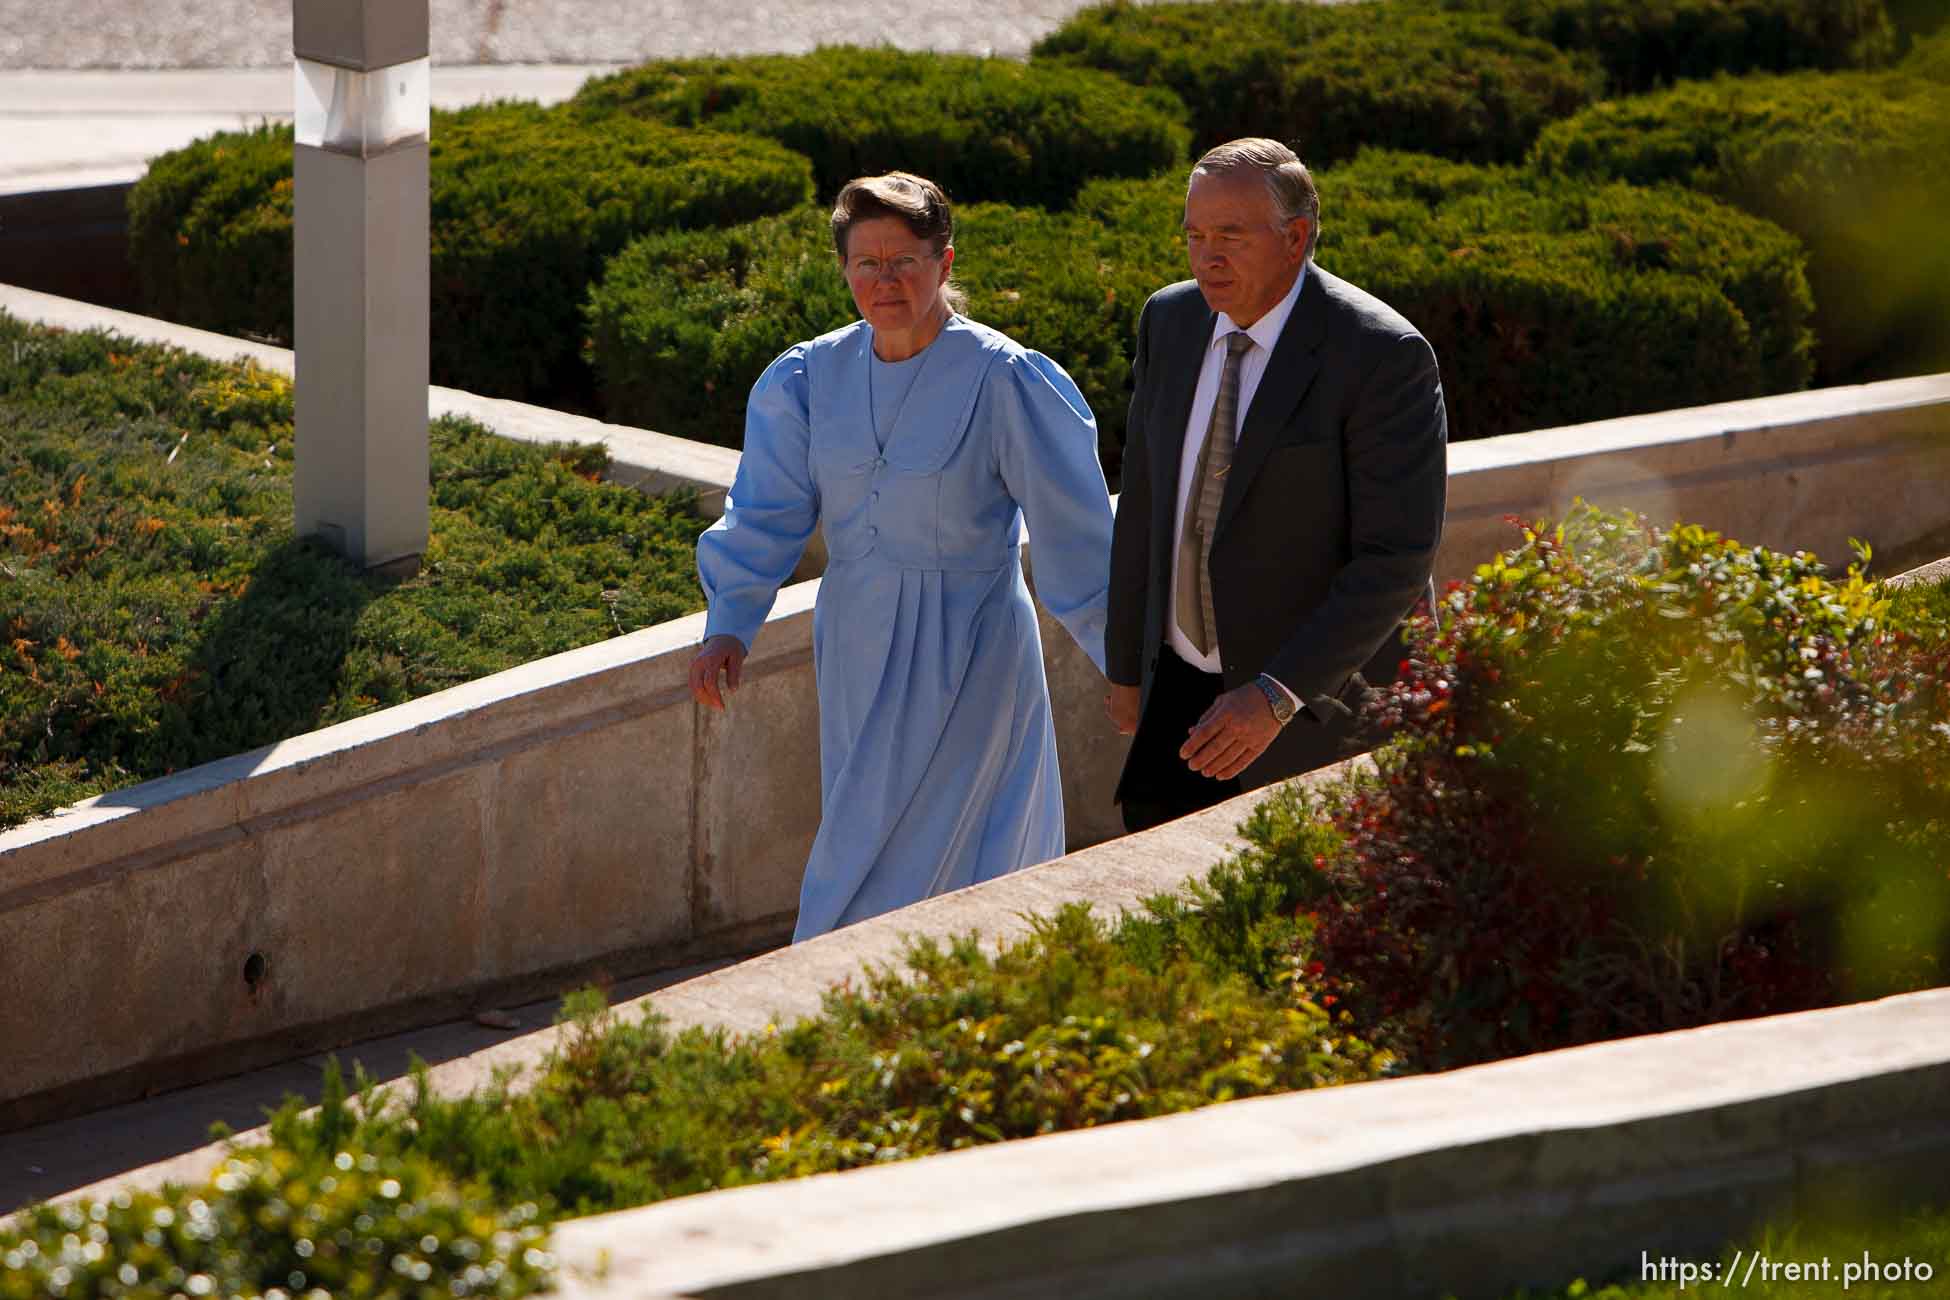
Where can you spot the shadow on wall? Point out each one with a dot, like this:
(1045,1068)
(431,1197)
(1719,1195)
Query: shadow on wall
(270,662)
(71,242)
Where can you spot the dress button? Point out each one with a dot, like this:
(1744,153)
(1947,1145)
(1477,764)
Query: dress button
(872,531)
(874,497)
(879,462)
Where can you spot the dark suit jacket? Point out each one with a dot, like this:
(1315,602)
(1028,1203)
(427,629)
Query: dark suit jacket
(1327,532)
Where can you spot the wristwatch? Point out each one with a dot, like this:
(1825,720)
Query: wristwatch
(1276,698)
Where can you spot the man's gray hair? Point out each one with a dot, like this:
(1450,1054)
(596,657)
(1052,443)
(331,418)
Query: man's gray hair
(1287,178)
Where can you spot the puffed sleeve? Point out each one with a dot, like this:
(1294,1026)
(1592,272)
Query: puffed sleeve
(771,509)
(1046,447)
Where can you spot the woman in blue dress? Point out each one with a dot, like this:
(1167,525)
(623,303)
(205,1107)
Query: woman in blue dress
(919,441)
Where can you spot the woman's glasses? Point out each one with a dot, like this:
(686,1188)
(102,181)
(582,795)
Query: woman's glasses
(897,268)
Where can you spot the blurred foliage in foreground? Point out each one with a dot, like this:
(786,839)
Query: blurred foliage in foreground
(1866,1252)
(1643,780)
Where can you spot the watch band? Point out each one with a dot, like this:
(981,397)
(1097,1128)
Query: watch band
(1276,699)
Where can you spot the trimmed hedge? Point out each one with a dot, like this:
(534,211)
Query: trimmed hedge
(156,612)
(526,205)
(1547,303)
(1853,164)
(1645,44)
(1916,18)
(1550,303)
(985,129)
(1930,58)
(1331,80)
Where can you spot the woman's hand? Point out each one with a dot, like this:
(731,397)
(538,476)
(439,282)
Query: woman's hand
(721,654)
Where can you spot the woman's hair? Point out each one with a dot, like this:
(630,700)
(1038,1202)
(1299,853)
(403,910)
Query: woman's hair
(915,201)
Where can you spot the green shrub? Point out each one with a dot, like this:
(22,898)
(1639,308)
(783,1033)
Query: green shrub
(1641,780)
(1546,304)
(1333,79)
(344,1224)
(1930,58)
(985,129)
(156,611)
(1853,164)
(210,234)
(1849,1228)
(1918,17)
(526,206)
(1552,303)
(1645,44)
(953,1048)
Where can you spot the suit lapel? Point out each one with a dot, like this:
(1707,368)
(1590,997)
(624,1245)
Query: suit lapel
(1289,374)
(1181,364)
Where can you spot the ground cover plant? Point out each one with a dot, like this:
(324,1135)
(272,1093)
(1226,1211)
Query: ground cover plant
(1548,303)
(1853,164)
(1333,79)
(954,1047)
(526,205)
(984,128)
(156,611)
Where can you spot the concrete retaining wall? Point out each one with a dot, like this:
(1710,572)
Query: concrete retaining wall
(496,841)
(1530,1172)
(1804,471)
(1470,1183)
(69,241)
(505,837)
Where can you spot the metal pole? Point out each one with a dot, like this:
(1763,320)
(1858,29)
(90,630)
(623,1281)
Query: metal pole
(360,280)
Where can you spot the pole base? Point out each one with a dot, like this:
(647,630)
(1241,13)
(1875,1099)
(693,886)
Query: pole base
(406,566)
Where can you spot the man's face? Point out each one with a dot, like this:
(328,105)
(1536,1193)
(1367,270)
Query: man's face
(1243,256)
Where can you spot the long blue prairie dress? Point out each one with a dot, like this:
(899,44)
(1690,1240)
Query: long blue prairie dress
(937,754)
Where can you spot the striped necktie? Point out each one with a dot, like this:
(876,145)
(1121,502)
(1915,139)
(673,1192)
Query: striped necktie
(1195,616)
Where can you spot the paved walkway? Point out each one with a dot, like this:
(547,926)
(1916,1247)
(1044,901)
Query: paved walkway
(257,33)
(60,129)
(92,89)
(49,1159)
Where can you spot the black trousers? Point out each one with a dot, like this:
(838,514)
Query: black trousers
(1158,786)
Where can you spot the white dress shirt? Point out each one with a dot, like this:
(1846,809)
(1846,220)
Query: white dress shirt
(1264,333)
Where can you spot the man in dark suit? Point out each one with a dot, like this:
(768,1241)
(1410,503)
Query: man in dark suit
(1260,575)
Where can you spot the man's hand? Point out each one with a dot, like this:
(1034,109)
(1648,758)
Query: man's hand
(722,654)
(1122,705)
(1232,733)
